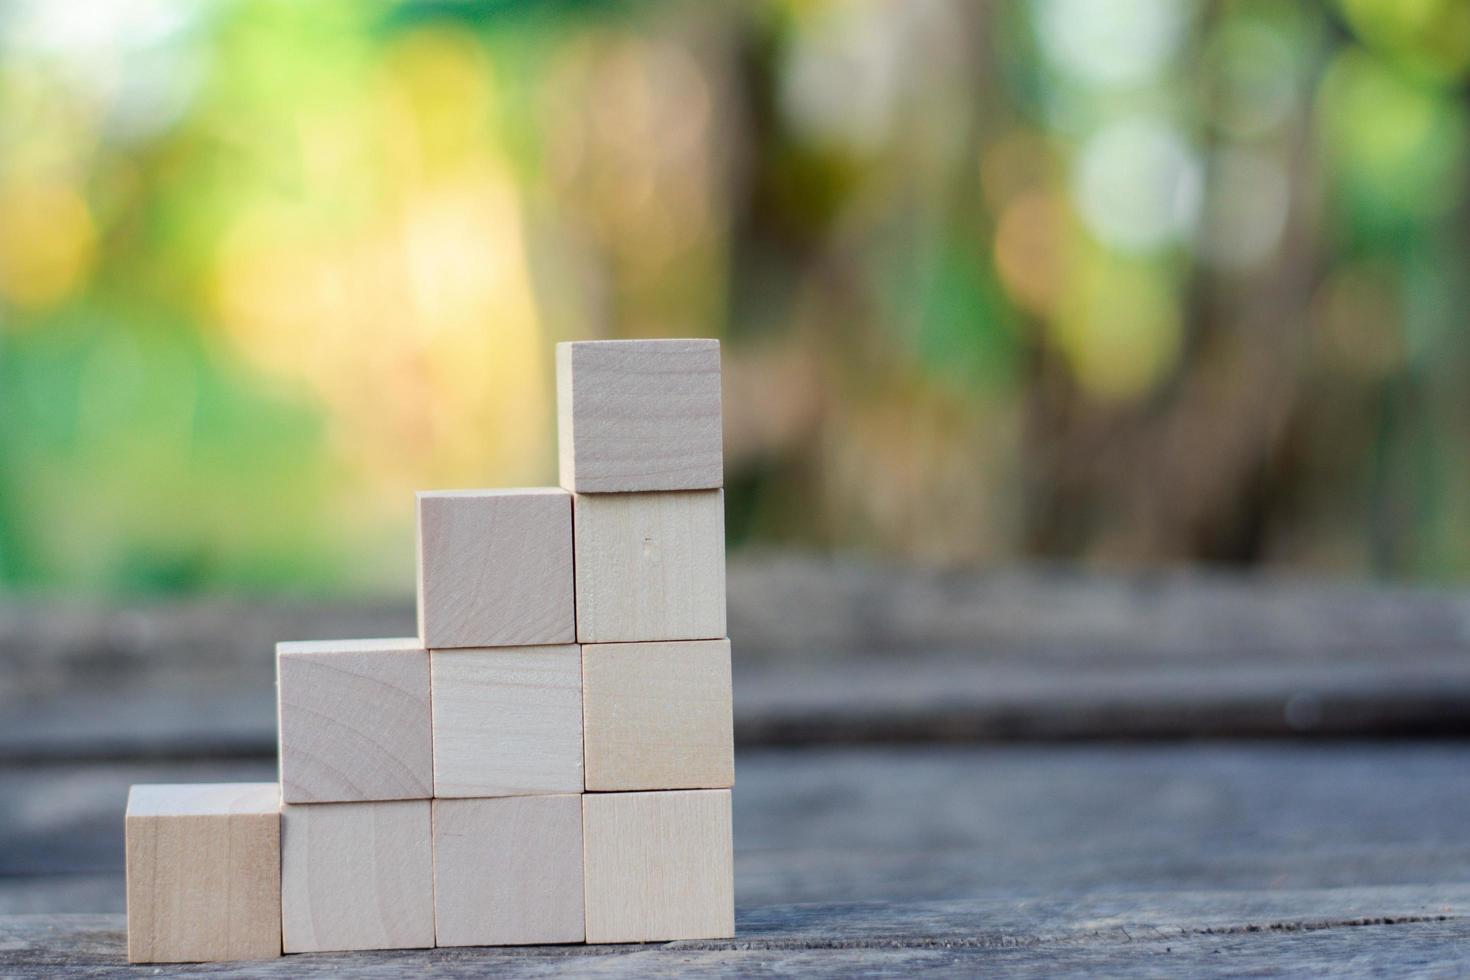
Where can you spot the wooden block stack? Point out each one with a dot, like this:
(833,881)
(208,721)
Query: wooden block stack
(549,761)
(639,431)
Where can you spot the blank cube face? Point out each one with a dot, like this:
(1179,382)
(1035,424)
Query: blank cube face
(203,873)
(650,566)
(507,721)
(357,876)
(495,568)
(639,415)
(657,716)
(658,866)
(508,871)
(354,721)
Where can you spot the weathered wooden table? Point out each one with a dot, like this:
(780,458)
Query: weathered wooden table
(1025,773)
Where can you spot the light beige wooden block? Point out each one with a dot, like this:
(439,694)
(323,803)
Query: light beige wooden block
(657,715)
(658,866)
(204,872)
(639,415)
(357,876)
(508,871)
(354,721)
(495,567)
(507,721)
(650,566)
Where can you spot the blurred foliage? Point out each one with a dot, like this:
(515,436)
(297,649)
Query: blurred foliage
(1143,281)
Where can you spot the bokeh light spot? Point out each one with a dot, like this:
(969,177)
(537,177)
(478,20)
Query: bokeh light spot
(1120,327)
(1400,147)
(1138,184)
(1431,37)
(1112,42)
(47,242)
(1032,239)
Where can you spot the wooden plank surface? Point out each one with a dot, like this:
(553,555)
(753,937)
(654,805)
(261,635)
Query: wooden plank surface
(929,823)
(1147,857)
(1044,858)
(825,652)
(1322,933)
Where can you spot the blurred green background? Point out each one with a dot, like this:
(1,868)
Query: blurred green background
(1139,281)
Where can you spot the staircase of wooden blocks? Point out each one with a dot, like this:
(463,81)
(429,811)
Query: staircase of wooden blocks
(549,761)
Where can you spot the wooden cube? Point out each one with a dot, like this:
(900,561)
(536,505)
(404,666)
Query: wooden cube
(650,566)
(495,568)
(357,876)
(507,721)
(203,872)
(658,866)
(657,716)
(639,415)
(508,871)
(354,721)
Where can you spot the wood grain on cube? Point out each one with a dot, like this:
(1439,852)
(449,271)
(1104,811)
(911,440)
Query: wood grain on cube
(508,871)
(639,415)
(354,721)
(495,567)
(657,715)
(658,866)
(507,721)
(203,872)
(357,876)
(650,566)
